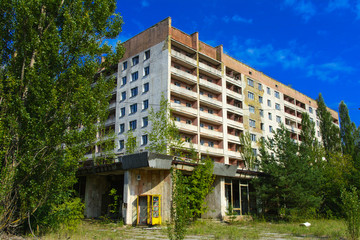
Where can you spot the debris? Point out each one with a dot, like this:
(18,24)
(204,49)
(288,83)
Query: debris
(306,224)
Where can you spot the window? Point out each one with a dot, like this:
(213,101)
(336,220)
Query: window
(254,150)
(201,109)
(134,92)
(188,121)
(187,139)
(177,119)
(210,127)
(317,122)
(132,125)
(201,93)
(260,99)
(177,101)
(145,121)
(269,103)
(124,65)
(123,96)
(201,125)
(277,94)
(251,95)
(311,119)
(145,104)
(252,123)
(123,82)
(178,84)
(147,55)
(211,144)
(268,90)
(134,76)
(277,106)
(270,116)
(133,108)
(318,133)
(251,109)
(253,137)
(122,128)
(310,110)
(210,111)
(121,144)
(146,71)
(188,88)
(122,112)
(270,129)
(278,119)
(210,95)
(145,87)
(261,112)
(144,139)
(260,86)
(135,60)
(250,82)
(188,104)
(261,126)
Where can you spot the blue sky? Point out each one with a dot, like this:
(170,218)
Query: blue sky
(314,46)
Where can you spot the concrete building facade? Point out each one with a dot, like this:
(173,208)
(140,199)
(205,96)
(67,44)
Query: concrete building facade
(214,99)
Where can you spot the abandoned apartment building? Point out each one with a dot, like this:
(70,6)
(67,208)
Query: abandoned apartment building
(213,97)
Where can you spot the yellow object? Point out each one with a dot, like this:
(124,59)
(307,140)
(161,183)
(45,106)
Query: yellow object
(152,214)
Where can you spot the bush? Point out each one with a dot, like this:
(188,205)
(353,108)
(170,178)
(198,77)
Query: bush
(351,209)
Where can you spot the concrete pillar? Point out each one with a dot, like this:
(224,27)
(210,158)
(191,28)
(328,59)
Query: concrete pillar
(95,188)
(127,208)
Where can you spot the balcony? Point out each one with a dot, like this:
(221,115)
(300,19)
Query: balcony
(209,69)
(211,133)
(188,145)
(234,109)
(234,124)
(110,121)
(213,102)
(112,105)
(211,150)
(183,57)
(234,81)
(184,75)
(210,117)
(183,109)
(183,92)
(234,95)
(188,128)
(233,138)
(233,154)
(209,85)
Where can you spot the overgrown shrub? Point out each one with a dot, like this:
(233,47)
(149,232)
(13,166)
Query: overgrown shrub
(351,209)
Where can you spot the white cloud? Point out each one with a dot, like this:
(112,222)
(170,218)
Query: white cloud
(144,3)
(236,18)
(357,9)
(306,9)
(329,72)
(337,4)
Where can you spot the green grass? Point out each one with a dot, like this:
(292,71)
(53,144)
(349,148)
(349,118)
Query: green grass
(207,229)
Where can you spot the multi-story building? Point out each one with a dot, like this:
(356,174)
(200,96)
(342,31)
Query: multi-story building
(214,98)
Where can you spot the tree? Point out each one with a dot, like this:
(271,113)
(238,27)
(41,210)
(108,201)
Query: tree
(50,52)
(164,136)
(347,130)
(247,152)
(351,207)
(290,184)
(131,144)
(329,132)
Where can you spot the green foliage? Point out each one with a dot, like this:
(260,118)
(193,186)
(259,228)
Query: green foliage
(347,130)
(199,186)
(246,150)
(291,182)
(351,208)
(164,136)
(69,214)
(114,206)
(231,213)
(180,211)
(329,132)
(131,143)
(50,52)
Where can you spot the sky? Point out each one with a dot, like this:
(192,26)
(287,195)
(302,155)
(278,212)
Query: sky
(312,46)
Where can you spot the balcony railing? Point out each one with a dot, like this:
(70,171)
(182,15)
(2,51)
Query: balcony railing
(212,133)
(182,74)
(183,57)
(233,123)
(183,91)
(209,69)
(234,95)
(110,121)
(210,117)
(234,109)
(112,105)
(210,101)
(210,85)
(214,150)
(236,82)
(183,109)
(186,127)
(233,138)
